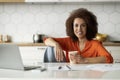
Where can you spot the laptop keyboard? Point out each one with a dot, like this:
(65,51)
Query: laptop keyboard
(31,67)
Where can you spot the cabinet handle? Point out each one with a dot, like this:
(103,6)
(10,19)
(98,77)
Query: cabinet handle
(41,48)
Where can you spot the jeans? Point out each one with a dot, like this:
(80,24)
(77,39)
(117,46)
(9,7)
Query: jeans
(49,55)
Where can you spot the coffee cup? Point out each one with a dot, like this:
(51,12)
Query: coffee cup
(73,53)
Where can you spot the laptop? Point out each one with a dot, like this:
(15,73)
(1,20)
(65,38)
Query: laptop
(10,58)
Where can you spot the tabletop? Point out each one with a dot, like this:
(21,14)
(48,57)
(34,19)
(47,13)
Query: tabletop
(62,71)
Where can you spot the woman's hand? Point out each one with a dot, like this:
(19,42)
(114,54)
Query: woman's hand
(59,54)
(78,59)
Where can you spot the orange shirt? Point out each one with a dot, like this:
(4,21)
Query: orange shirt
(92,48)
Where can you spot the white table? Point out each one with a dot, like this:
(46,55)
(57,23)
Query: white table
(85,74)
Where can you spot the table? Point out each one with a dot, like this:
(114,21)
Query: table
(50,74)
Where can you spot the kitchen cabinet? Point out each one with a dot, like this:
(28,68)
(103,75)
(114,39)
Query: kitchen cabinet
(90,0)
(12,0)
(42,0)
(32,54)
(115,52)
(54,0)
(59,1)
(102,0)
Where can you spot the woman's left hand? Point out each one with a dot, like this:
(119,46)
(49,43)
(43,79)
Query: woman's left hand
(78,59)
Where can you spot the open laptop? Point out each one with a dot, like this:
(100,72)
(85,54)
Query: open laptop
(10,58)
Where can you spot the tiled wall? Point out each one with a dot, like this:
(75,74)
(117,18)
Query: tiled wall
(22,20)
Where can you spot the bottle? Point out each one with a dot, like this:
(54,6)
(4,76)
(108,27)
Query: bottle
(5,38)
(0,38)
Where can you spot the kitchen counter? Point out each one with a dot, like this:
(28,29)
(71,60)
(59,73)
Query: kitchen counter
(27,44)
(76,72)
(111,44)
(42,44)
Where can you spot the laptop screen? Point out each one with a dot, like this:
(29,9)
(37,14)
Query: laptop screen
(10,57)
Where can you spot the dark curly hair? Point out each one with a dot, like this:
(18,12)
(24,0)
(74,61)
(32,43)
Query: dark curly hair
(90,20)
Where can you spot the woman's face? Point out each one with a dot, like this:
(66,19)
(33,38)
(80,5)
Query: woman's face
(80,28)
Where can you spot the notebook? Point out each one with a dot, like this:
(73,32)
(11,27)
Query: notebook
(10,58)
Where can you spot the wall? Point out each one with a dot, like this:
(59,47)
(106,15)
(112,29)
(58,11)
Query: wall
(22,20)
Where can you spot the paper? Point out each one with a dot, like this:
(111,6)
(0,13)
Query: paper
(78,67)
(98,67)
(68,67)
(104,67)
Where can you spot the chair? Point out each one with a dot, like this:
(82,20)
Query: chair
(49,55)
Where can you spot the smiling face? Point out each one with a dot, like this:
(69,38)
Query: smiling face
(80,28)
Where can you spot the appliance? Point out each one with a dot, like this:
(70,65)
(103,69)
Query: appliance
(38,38)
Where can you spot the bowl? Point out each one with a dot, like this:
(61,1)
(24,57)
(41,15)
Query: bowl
(101,37)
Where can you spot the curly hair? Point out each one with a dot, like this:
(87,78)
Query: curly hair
(90,20)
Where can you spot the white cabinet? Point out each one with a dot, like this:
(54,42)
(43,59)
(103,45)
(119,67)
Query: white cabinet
(32,54)
(59,1)
(90,0)
(115,52)
(42,0)
(103,0)
(72,1)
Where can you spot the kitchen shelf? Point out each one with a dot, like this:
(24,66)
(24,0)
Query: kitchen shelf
(111,44)
(26,44)
(42,44)
(12,1)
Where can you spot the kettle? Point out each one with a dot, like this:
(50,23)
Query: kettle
(38,38)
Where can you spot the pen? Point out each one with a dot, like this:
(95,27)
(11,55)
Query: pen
(60,67)
(68,67)
(43,69)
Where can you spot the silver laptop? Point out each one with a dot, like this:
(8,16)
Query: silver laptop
(10,58)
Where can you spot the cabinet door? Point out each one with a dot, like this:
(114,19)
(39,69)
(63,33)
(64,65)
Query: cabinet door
(32,54)
(115,52)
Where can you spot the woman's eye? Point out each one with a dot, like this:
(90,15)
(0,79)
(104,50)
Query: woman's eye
(76,25)
(84,25)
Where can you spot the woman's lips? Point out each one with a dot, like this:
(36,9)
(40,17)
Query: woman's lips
(79,33)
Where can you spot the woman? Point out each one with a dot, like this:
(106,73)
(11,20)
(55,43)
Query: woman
(81,28)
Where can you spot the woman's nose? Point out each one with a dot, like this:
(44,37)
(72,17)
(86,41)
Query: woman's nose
(79,28)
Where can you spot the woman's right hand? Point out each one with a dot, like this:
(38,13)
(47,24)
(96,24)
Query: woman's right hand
(59,54)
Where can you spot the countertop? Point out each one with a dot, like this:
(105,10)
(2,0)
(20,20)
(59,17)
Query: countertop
(111,44)
(75,72)
(26,44)
(42,44)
